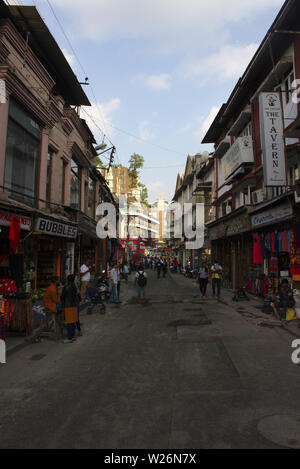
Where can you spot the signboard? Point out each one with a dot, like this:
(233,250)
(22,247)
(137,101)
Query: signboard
(273,215)
(240,152)
(272,141)
(5,220)
(55,228)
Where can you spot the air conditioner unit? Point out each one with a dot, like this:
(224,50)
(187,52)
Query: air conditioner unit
(258,197)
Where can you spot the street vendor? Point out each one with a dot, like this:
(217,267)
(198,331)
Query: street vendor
(285,299)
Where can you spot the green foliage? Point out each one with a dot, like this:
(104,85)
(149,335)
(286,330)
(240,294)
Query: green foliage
(98,161)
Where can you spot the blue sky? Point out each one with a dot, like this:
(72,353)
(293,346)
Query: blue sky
(159,70)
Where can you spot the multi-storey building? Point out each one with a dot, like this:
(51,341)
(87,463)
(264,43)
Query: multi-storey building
(49,185)
(256,164)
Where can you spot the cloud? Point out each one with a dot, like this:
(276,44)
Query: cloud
(99,116)
(70,58)
(200,133)
(170,25)
(158,82)
(228,63)
(144,132)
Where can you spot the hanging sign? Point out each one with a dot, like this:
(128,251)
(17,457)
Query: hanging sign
(271,126)
(5,220)
(55,228)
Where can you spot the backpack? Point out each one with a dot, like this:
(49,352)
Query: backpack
(142,281)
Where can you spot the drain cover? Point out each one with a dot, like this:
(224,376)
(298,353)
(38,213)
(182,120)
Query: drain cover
(36,358)
(283,430)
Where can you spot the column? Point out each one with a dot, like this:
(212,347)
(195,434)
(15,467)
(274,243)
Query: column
(3,136)
(42,181)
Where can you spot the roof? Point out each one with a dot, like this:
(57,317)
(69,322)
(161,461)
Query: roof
(288,19)
(27,19)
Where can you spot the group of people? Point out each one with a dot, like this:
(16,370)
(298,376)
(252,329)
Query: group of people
(215,272)
(65,306)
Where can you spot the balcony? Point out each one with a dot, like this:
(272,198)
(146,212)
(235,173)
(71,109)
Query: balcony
(238,160)
(241,122)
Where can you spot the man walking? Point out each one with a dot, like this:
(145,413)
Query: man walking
(140,282)
(114,285)
(85,273)
(216,272)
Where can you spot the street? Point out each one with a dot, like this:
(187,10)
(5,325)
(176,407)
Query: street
(176,373)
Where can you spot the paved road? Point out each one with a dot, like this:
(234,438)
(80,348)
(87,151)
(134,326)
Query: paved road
(173,374)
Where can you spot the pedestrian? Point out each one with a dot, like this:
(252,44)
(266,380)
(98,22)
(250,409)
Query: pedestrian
(203,279)
(119,280)
(85,273)
(140,283)
(114,285)
(165,268)
(158,268)
(52,303)
(125,272)
(69,299)
(216,272)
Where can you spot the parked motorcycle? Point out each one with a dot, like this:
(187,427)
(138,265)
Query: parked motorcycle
(103,287)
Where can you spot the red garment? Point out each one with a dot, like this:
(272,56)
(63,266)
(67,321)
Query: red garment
(14,234)
(257,250)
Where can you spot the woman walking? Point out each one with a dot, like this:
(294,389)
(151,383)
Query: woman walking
(69,300)
(203,279)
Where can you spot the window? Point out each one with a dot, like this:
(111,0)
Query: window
(22,154)
(49,177)
(75,185)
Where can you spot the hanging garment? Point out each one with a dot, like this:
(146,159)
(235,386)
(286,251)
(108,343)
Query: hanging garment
(14,234)
(285,241)
(289,240)
(268,243)
(257,250)
(279,242)
(273,241)
(274,265)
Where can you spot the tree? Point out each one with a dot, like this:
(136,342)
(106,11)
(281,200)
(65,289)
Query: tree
(144,194)
(136,162)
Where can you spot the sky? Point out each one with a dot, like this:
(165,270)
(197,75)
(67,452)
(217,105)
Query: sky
(159,70)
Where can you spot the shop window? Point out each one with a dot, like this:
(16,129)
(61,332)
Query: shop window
(75,185)
(22,154)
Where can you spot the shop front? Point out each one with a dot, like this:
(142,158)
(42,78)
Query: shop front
(89,246)
(15,302)
(274,237)
(51,251)
(231,246)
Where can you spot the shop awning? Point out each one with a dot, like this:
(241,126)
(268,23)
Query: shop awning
(294,130)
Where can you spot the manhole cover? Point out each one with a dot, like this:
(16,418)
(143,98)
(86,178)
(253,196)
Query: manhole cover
(36,358)
(190,322)
(283,430)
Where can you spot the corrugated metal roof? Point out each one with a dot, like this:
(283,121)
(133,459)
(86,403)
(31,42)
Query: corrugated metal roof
(27,19)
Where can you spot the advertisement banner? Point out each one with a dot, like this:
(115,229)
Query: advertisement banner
(272,141)
(5,220)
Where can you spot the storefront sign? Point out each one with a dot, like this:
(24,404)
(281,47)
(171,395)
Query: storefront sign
(55,228)
(272,139)
(5,220)
(271,216)
(240,152)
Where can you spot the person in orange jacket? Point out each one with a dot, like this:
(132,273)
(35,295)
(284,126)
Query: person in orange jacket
(51,300)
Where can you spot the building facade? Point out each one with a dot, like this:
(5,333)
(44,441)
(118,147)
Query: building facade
(49,186)
(254,226)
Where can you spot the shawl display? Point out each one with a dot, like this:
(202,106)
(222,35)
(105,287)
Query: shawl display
(14,234)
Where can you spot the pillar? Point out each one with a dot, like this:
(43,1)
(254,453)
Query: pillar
(3,135)
(42,181)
